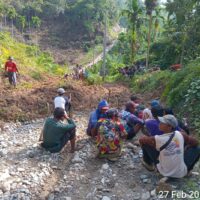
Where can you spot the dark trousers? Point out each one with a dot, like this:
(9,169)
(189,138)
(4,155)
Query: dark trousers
(12,78)
(68,136)
(150,154)
(58,147)
(191,156)
(68,107)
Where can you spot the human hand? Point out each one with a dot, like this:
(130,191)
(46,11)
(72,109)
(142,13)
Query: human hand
(66,116)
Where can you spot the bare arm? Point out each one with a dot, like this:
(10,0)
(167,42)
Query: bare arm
(190,141)
(70,97)
(148,140)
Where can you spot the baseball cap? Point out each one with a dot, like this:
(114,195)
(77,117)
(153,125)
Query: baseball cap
(61,91)
(169,119)
(10,58)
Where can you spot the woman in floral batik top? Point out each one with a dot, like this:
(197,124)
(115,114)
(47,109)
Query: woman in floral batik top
(110,134)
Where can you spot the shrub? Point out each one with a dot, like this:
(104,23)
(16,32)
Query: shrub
(36,75)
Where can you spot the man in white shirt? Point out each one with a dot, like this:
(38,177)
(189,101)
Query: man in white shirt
(62,101)
(167,151)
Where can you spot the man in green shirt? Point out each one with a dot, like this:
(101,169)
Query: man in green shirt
(58,130)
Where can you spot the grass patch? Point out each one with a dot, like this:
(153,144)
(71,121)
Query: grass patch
(92,53)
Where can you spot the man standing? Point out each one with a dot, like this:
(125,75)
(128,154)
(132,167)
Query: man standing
(62,101)
(11,69)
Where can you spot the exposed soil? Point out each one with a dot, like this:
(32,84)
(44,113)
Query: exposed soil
(24,104)
(29,172)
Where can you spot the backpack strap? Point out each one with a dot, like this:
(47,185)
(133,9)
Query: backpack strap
(168,142)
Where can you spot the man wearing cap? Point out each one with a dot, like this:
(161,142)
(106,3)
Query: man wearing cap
(57,132)
(167,152)
(11,69)
(95,116)
(62,101)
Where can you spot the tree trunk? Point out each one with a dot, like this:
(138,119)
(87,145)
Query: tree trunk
(182,54)
(149,41)
(5,20)
(12,28)
(132,51)
(1,25)
(104,49)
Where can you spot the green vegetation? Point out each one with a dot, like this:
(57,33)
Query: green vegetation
(161,35)
(80,20)
(31,61)
(180,90)
(91,54)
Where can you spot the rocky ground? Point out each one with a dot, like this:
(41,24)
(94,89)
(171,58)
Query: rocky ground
(29,172)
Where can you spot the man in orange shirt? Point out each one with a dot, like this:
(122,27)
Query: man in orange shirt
(11,69)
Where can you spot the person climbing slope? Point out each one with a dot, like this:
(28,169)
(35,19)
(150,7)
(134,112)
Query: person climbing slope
(11,70)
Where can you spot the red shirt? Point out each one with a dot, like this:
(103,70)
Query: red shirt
(11,67)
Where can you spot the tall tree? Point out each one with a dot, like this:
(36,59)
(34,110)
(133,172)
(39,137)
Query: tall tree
(22,22)
(150,7)
(12,14)
(183,17)
(135,18)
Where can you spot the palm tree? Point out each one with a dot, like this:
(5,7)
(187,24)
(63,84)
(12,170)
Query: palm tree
(134,15)
(150,7)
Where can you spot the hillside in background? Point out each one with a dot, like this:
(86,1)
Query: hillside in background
(33,64)
(59,27)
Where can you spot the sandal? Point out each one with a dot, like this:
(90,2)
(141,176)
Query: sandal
(77,148)
(113,159)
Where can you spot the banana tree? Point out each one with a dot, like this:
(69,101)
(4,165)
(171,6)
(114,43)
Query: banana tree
(158,21)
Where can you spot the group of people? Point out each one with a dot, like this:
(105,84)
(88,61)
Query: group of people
(129,71)
(79,72)
(166,144)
